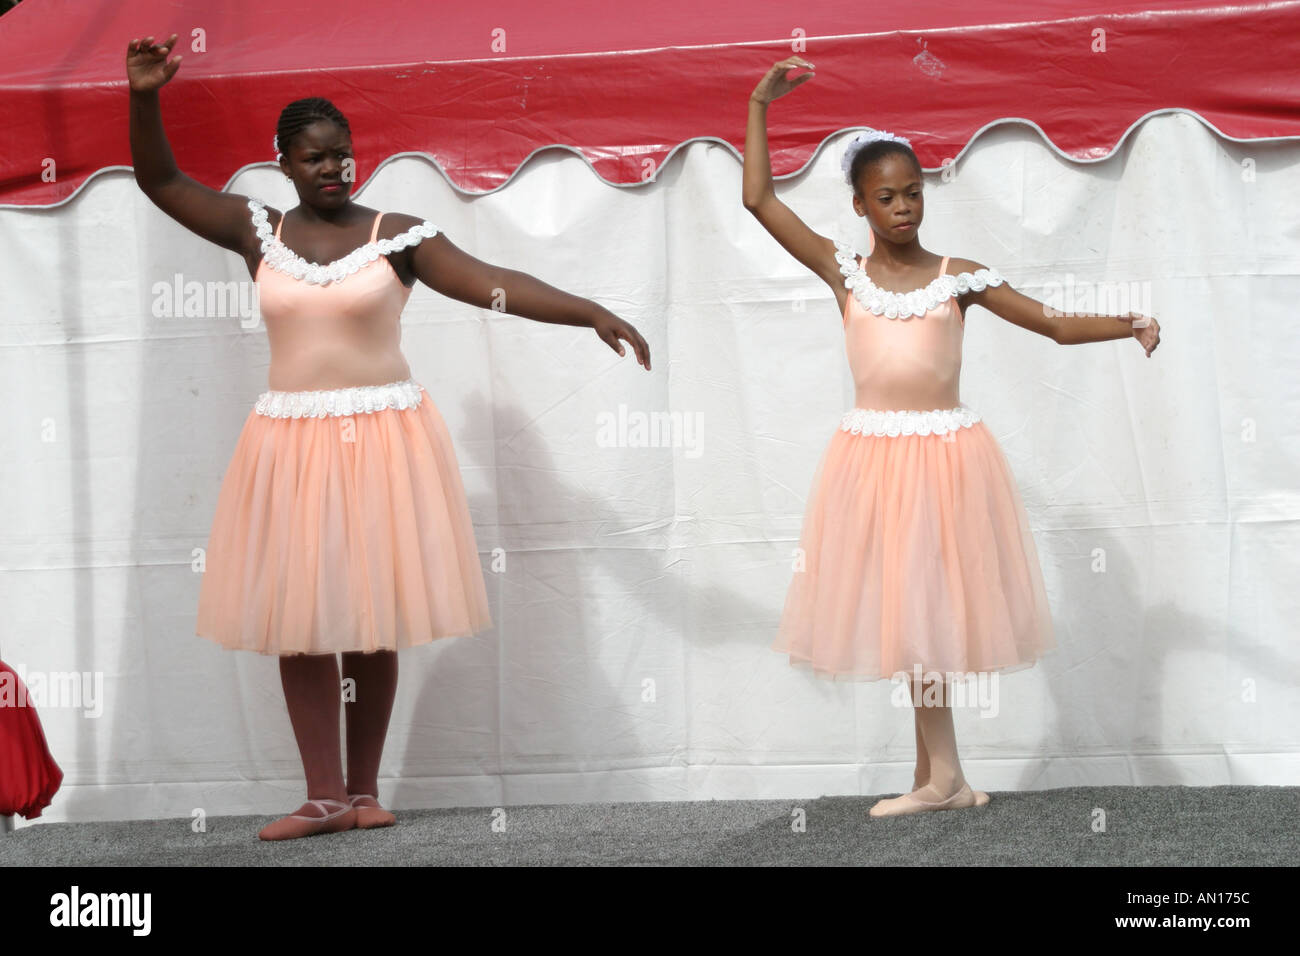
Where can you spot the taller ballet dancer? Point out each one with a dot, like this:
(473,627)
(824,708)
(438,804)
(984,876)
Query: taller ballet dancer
(341,526)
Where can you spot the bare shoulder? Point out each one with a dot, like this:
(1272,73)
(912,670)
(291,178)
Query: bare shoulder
(956,265)
(395,223)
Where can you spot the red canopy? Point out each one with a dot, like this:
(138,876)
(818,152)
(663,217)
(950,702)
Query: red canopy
(479,87)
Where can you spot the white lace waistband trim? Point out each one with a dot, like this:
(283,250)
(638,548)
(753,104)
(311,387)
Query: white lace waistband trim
(339,401)
(940,421)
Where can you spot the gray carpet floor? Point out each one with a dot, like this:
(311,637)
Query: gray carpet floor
(1145,826)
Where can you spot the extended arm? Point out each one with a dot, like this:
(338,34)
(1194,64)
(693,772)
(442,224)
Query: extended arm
(1062,328)
(445,268)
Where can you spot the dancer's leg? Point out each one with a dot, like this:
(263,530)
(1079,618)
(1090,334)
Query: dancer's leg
(944,776)
(311,693)
(935,722)
(375,675)
(367,716)
(938,777)
(922,774)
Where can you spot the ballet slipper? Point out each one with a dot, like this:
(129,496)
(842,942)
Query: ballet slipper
(372,814)
(908,804)
(981,798)
(298,825)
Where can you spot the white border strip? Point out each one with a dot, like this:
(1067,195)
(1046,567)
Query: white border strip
(702,139)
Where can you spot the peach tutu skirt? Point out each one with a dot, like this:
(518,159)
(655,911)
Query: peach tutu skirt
(342,525)
(917,552)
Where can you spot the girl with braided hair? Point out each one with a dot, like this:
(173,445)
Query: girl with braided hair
(916,559)
(342,526)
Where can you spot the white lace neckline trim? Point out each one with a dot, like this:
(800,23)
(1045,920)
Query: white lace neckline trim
(281,258)
(334,402)
(892,423)
(904,305)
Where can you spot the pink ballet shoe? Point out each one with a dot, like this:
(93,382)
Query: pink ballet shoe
(370,814)
(908,804)
(298,825)
(981,798)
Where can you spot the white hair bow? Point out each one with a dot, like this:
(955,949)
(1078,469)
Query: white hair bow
(864,139)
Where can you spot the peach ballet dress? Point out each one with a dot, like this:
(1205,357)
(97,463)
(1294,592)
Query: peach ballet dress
(342,522)
(916,549)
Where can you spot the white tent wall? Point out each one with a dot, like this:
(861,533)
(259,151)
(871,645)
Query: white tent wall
(636,590)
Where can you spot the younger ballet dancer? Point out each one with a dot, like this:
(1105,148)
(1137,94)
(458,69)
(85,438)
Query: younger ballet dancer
(341,525)
(919,558)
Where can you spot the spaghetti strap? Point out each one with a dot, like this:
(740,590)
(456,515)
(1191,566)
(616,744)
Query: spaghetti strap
(278,225)
(943,269)
(844,316)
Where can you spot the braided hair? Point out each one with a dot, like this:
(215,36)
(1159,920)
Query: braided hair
(300,114)
(874,152)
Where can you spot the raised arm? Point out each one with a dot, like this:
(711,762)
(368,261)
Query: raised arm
(1063,329)
(815,251)
(218,217)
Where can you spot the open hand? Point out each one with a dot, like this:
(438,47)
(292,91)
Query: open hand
(1145,329)
(774,83)
(611,328)
(147,68)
